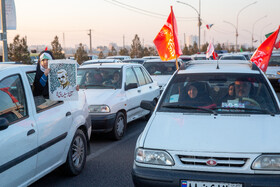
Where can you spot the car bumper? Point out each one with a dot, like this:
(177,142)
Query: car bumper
(103,123)
(163,177)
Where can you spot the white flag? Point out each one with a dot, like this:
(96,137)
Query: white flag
(210,50)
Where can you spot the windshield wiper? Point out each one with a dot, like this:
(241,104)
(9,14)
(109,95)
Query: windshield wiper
(247,109)
(189,107)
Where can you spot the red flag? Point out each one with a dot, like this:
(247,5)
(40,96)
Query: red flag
(215,56)
(166,40)
(263,53)
(208,26)
(9,93)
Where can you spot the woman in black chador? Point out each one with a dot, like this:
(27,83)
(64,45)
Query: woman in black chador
(40,85)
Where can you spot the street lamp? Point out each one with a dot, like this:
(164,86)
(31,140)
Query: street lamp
(237,20)
(235,34)
(263,30)
(199,21)
(254,27)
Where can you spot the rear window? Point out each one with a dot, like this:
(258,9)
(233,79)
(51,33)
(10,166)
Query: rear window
(160,68)
(219,93)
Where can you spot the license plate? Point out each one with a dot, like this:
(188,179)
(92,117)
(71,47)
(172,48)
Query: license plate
(187,183)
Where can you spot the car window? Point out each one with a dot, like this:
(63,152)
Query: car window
(274,61)
(147,76)
(41,102)
(12,98)
(130,77)
(100,78)
(140,76)
(223,93)
(160,68)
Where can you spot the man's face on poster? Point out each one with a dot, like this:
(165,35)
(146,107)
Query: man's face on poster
(62,76)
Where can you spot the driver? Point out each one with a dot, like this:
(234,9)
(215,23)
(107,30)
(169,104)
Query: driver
(242,88)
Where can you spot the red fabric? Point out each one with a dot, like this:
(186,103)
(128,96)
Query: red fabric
(6,90)
(263,53)
(215,56)
(166,41)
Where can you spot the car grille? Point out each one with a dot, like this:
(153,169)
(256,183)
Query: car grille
(220,161)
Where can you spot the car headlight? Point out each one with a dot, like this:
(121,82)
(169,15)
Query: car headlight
(157,157)
(99,109)
(267,162)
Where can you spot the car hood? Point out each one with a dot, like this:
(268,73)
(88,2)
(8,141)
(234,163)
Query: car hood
(208,133)
(161,79)
(99,96)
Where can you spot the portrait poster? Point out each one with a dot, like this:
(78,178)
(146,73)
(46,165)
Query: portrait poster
(63,80)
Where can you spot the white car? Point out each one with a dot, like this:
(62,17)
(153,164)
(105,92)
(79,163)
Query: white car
(161,71)
(101,61)
(38,135)
(114,92)
(119,57)
(233,57)
(204,133)
(273,71)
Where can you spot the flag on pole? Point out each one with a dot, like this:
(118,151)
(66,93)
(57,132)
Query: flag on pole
(215,56)
(241,50)
(263,53)
(166,40)
(208,26)
(210,50)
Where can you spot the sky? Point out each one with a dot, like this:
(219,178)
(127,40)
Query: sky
(119,21)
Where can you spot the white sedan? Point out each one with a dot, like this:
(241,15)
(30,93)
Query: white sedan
(114,92)
(38,135)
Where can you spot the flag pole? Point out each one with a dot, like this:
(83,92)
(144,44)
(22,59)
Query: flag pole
(177,67)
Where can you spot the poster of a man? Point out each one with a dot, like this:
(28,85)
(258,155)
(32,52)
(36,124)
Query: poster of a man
(63,80)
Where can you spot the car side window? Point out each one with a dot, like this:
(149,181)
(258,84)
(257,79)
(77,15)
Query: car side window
(13,105)
(130,77)
(147,76)
(140,76)
(41,102)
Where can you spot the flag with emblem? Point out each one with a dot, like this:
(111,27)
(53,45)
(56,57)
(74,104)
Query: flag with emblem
(208,26)
(166,40)
(263,53)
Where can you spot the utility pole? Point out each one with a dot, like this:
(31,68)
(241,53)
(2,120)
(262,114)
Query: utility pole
(4,31)
(184,39)
(90,47)
(123,41)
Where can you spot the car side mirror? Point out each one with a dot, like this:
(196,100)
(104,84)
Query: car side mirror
(4,123)
(148,105)
(131,86)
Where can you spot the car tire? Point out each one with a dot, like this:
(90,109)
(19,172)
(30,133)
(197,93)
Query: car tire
(119,126)
(77,153)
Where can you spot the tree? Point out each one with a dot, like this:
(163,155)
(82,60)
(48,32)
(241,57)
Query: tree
(81,54)
(153,51)
(57,49)
(146,52)
(218,47)
(186,50)
(113,52)
(123,52)
(101,55)
(136,48)
(194,48)
(204,47)
(18,51)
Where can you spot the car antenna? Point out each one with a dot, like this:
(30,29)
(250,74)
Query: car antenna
(218,64)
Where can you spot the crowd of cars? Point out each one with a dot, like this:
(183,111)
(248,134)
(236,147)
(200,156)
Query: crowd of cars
(198,133)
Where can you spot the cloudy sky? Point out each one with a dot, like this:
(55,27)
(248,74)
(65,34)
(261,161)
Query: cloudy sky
(110,20)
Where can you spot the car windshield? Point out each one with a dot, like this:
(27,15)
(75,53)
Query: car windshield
(219,93)
(160,68)
(233,58)
(100,78)
(274,61)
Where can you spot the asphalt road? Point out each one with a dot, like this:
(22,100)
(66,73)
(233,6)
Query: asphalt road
(109,164)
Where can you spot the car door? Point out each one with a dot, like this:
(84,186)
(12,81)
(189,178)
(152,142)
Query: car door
(18,134)
(54,120)
(133,95)
(149,91)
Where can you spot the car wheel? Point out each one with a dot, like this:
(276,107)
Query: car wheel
(119,126)
(76,157)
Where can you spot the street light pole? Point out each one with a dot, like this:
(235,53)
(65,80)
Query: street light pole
(253,30)
(4,31)
(237,20)
(235,34)
(199,20)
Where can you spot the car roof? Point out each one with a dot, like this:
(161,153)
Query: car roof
(102,60)
(108,65)
(4,67)
(275,54)
(159,60)
(224,66)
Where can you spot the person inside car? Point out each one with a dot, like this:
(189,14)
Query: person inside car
(115,82)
